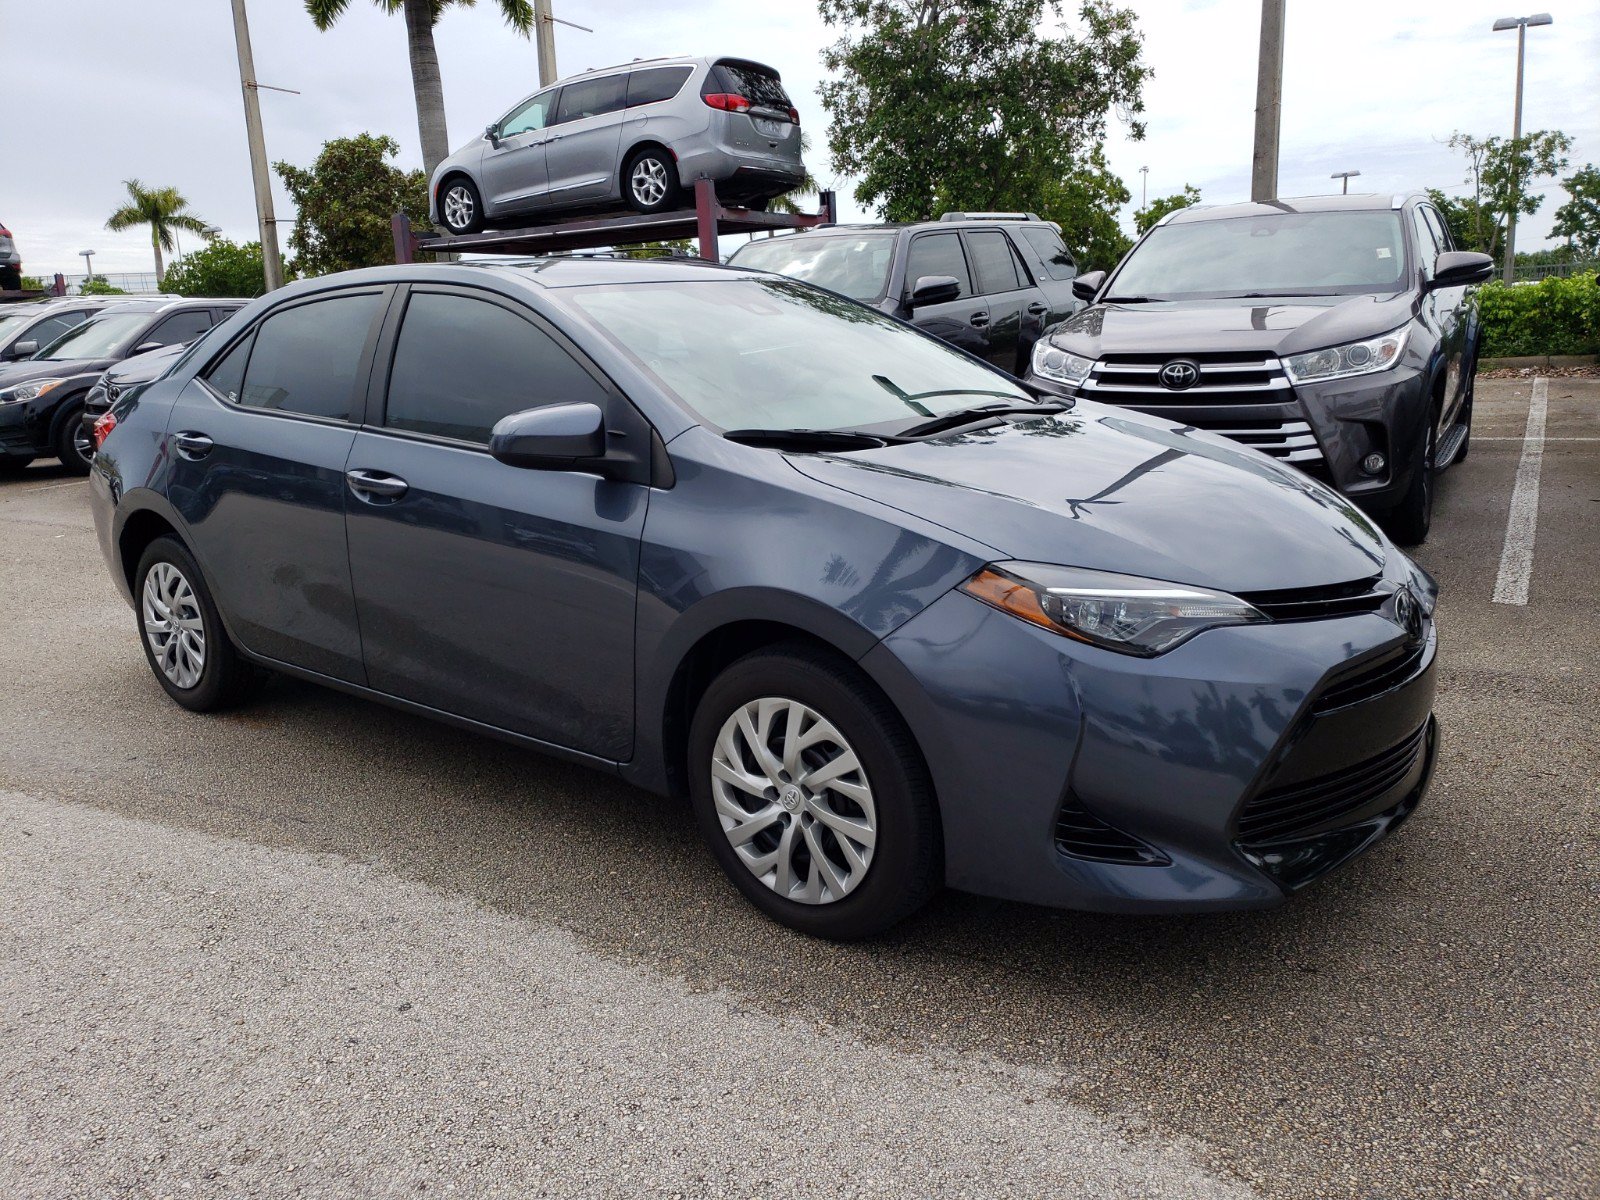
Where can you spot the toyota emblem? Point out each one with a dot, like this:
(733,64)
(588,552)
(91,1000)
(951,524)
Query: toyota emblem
(1179,374)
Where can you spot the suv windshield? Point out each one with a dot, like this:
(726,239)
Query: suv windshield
(1284,254)
(857,265)
(98,337)
(773,354)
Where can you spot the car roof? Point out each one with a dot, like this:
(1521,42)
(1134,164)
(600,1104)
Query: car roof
(168,304)
(556,271)
(1356,202)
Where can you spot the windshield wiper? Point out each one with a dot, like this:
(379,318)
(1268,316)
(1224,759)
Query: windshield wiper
(1258,295)
(1132,300)
(966,416)
(819,441)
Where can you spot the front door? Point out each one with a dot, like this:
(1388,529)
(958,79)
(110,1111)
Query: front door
(257,447)
(964,321)
(515,174)
(582,146)
(496,593)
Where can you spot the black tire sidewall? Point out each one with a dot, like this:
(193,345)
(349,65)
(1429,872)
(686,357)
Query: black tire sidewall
(905,866)
(218,677)
(668,199)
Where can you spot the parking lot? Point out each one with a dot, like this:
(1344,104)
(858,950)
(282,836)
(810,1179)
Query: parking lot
(317,945)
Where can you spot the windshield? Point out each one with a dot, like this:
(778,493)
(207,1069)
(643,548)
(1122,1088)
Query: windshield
(10,324)
(858,266)
(98,337)
(771,354)
(1284,254)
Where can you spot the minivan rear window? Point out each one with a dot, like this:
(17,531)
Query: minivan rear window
(757,84)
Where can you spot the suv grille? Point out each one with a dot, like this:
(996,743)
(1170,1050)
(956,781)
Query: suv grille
(1226,378)
(1286,813)
(1081,834)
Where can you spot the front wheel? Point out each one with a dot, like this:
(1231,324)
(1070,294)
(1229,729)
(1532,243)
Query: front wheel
(460,206)
(1408,522)
(650,181)
(812,795)
(74,445)
(184,641)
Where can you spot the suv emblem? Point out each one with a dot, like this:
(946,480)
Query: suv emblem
(1179,374)
(1408,613)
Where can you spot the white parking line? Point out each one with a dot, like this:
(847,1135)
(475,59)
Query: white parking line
(1516,559)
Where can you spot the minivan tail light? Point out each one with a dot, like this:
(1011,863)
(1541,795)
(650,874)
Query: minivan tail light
(727,101)
(103,426)
(794,115)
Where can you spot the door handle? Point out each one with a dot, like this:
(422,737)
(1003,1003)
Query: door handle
(192,445)
(1038,309)
(980,319)
(369,484)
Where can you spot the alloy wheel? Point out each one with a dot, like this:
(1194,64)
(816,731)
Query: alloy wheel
(459,207)
(793,800)
(83,444)
(649,181)
(173,625)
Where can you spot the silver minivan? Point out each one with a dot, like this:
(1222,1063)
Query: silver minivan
(640,133)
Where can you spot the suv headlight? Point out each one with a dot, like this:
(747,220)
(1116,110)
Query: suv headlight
(1125,613)
(1352,358)
(31,390)
(1052,362)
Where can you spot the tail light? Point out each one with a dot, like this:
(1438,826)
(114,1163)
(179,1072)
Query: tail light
(103,426)
(727,101)
(794,115)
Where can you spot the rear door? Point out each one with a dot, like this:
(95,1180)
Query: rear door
(514,173)
(582,145)
(1053,268)
(962,322)
(1016,308)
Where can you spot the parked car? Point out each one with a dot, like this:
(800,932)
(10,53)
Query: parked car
(990,283)
(10,262)
(1338,333)
(640,133)
(27,327)
(121,380)
(41,398)
(888,619)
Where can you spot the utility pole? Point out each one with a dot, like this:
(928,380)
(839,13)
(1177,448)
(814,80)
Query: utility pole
(1521,25)
(544,36)
(270,258)
(1269,103)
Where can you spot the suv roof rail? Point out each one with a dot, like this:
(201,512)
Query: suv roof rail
(991,216)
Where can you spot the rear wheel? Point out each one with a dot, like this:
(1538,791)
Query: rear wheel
(650,181)
(1408,521)
(460,206)
(184,641)
(73,445)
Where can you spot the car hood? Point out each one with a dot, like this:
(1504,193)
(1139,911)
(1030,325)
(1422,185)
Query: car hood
(1284,326)
(64,368)
(1106,489)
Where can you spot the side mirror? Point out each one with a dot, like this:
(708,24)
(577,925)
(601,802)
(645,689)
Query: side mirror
(145,348)
(1085,287)
(1457,268)
(493,134)
(934,289)
(557,437)
(23,349)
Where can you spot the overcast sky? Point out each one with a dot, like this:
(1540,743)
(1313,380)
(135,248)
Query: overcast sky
(103,90)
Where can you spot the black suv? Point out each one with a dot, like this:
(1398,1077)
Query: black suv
(990,283)
(1338,333)
(41,398)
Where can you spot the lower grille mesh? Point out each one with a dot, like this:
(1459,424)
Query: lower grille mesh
(1291,811)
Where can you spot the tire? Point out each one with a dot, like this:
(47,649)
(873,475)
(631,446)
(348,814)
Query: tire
(650,181)
(854,888)
(1408,521)
(460,206)
(224,677)
(74,450)
(10,279)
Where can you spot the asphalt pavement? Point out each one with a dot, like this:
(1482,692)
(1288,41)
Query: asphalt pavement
(317,947)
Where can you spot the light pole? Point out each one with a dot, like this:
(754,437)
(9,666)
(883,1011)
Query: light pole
(88,265)
(271,261)
(1269,104)
(1520,24)
(1347,176)
(210,232)
(1144,188)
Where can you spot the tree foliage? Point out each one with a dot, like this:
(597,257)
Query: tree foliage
(98,285)
(219,268)
(1578,220)
(164,210)
(1554,316)
(1146,218)
(1503,172)
(968,104)
(1085,204)
(1470,225)
(346,201)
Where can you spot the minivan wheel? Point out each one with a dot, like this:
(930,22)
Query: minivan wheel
(1408,522)
(74,446)
(650,181)
(812,795)
(460,206)
(182,634)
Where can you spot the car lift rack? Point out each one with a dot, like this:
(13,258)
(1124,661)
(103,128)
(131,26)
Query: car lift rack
(707,220)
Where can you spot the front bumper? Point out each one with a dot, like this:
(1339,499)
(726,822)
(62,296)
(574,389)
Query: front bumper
(24,430)
(1243,764)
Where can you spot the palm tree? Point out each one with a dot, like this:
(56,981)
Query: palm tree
(421,17)
(163,209)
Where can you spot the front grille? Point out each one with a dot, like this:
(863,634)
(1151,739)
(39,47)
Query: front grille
(1286,813)
(1081,834)
(1226,379)
(1372,678)
(1312,604)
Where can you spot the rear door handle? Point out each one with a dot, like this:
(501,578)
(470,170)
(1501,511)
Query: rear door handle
(192,445)
(368,485)
(980,318)
(1038,309)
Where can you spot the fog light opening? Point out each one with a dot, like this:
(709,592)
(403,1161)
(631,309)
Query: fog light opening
(1373,464)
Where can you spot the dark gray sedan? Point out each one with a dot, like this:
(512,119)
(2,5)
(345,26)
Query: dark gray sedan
(889,619)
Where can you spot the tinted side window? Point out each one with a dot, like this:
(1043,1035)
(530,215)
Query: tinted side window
(535,114)
(49,329)
(937,254)
(179,328)
(993,262)
(591,98)
(461,364)
(655,84)
(226,375)
(306,358)
(1052,251)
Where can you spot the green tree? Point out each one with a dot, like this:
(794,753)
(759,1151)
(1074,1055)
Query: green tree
(1502,172)
(1578,220)
(421,16)
(97,285)
(163,209)
(346,200)
(219,268)
(1085,204)
(1146,218)
(1470,226)
(973,104)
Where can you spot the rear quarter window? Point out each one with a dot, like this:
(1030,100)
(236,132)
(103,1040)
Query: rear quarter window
(1052,251)
(655,84)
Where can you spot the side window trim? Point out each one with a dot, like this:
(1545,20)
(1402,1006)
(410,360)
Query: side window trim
(910,281)
(1025,269)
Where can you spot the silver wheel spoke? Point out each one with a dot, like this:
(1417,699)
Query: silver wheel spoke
(824,775)
(847,828)
(173,625)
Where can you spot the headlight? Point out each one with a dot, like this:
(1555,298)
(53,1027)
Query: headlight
(1353,358)
(1051,362)
(1116,612)
(31,390)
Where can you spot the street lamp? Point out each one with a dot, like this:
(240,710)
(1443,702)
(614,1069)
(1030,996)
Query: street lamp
(1347,176)
(1144,188)
(210,232)
(88,264)
(1520,24)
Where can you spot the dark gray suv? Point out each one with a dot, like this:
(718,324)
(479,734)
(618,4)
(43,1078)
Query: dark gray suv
(1337,333)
